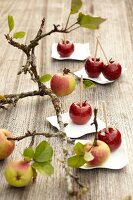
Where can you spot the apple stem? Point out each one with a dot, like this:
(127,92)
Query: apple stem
(105,115)
(66,71)
(67,21)
(102,50)
(95,54)
(81,88)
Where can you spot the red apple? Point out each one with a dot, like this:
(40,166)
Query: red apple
(110,136)
(80,114)
(93,67)
(112,71)
(18,173)
(65,48)
(62,84)
(6,146)
(100,153)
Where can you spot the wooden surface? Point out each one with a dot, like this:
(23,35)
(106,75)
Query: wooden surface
(30,113)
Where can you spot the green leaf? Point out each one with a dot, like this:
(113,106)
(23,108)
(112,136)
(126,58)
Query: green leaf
(45,78)
(2,97)
(88,84)
(128,197)
(90,22)
(75,6)
(76,161)
(18,35)
(10,23)
(45,168)
(43,152)
(79,149)
(28,153)
(88,156)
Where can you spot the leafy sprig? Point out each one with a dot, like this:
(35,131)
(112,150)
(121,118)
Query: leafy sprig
(16,35)
(41,158)
(83,20)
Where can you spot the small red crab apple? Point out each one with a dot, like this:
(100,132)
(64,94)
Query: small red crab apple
(65,48)
(111,136)
(6,146)
(93,67)
(112,70)
(100,153)
(80,114)
(18,173)
(63,84)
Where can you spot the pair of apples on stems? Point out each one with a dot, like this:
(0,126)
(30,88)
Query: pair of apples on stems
(93,66)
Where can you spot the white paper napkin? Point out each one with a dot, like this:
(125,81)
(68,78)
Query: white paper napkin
(117,159)
(101,79)
(81,52)
(75,131)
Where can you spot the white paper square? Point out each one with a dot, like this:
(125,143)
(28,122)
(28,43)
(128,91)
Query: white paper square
(81,52)
(101,79)
(75,131)
(117,159)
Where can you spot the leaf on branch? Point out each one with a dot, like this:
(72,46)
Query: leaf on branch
(88,21)
(128,197)
(76,161)
(18,35)
(88,156)
(88,84)
(43,152)
(2,97)
(10,23)
(46,169)
(75,6)
(28,153)
(45,78)
(79,149)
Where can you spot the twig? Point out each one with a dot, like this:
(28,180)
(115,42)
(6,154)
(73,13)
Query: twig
(76,178)
(72,25)
(34,133)
(96,126)
(31,67)
(67,20)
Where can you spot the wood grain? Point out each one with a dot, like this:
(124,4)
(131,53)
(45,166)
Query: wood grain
(30,113)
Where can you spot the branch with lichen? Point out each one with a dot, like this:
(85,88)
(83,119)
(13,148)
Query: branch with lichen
(31,68)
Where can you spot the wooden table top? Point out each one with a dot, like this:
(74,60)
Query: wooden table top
(30,113)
